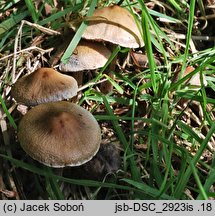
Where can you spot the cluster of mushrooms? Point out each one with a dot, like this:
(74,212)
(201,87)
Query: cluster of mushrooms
(107,28)
(56,132)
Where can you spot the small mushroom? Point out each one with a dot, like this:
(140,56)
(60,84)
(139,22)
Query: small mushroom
(117,26)
(114,24)
(140,60)
(42,86)
(88,55)
(59,134)
(194,81)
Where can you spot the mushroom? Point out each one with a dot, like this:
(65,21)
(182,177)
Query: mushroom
(140,60)
(194,81)
(114,24)
(42,86)
(117,26)
(88,55)
(59,134)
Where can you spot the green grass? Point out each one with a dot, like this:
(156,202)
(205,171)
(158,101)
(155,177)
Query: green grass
(163,147)
(75,40)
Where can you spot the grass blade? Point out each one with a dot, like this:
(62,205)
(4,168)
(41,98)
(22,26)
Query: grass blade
(198,181)
(78,34)
(89,183)
(12,21)
(32,10)
(148,46)
(10,118)
(188,38)
(182,184)
(122,138)
(60,14)
(148,190)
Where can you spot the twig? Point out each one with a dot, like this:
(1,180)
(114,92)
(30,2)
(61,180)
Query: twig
(210,16)
(41,28)
(90,84)
(3,126)
(15,52)
(26,50)
(18,39)
(194,37)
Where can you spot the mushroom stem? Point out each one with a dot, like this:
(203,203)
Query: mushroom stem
(107,87)
(78,76)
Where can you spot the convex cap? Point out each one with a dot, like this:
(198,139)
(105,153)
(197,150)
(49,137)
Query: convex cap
(59,134)
(114,24)
(42,86)
(87,55)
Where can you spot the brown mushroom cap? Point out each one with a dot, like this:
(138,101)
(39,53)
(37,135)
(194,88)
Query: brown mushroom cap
(194,81)
(59,134)
(88,55)
(42,86)
(116,25)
